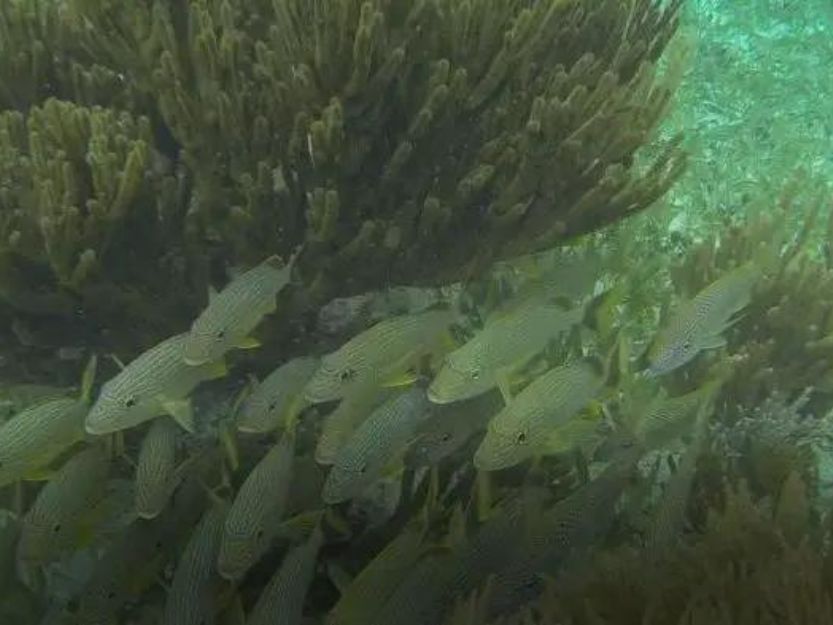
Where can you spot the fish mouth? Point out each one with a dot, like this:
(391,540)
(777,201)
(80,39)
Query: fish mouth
(195,361)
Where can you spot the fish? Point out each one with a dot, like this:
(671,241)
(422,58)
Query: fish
(235,311)
(418,598)
(562,535)
(17,397)
(278,399)
(135,560)
(156,475)
(369,590)
(255,514)
(450,428)
(522,429)
(51,524)
(669,517)
(281,602)
(508,340)
(375,445)
(351,411)
(378,354)
(698,324)
(155,383)
(36,436)
(192,596)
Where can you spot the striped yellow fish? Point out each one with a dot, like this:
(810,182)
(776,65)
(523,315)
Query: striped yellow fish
(340,424)
(192,596)
(155,383)
(379,578)
(257,510)
(235,311)
(523,428)
(698,324)
(507,341)
(377,354)
(377,442)
(156,468)
(52,523)
(278,399)
(33,438)
(281,602)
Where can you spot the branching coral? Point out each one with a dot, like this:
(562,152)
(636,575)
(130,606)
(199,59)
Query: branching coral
(411,141)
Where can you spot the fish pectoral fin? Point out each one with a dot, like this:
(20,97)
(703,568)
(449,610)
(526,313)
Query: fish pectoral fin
(39,474)
(248,342)
(504,385)
(215,370)
(229,444)
(182,412)
(403,378)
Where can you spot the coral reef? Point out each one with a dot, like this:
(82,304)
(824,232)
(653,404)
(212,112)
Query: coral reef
(399,142)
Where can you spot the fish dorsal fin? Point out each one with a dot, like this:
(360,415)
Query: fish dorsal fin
(117,360)
(212,293)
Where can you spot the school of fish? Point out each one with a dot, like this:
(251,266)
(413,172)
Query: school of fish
(175,512)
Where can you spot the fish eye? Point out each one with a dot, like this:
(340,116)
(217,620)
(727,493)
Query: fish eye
(521,438)
(221,334)
(56,528)
(130,401)
(111,594)
(272,406)
(687,345)
(346,375)
(259,533)
(446,437)
(363,469)
(475,374)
